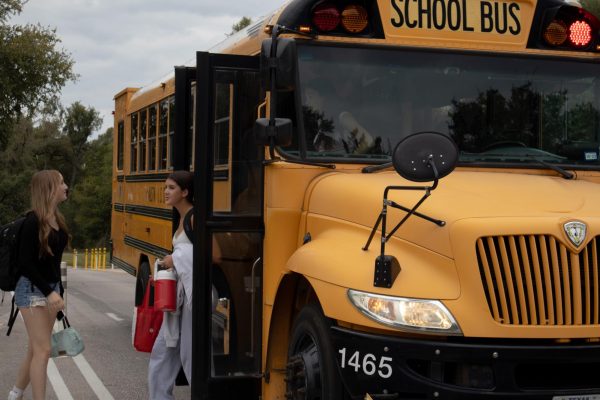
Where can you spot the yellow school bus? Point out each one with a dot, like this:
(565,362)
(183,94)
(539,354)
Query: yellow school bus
(405,195)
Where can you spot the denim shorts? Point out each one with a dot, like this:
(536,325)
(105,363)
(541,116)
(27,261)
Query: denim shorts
(26,297)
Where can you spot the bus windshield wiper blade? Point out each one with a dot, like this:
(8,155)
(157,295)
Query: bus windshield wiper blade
(532,158)
(564,173)
(375,168)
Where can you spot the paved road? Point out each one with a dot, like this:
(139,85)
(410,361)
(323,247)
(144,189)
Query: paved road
(99,305)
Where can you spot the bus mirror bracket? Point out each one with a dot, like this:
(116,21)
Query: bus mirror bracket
(278,63)
(273,132)
(278,73)
(421,157)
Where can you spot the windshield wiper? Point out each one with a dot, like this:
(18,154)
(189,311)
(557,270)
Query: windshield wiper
(564,173)
(532,159)
(375,168)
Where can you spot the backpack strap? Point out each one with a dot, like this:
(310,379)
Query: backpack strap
(14,311)
(187,225)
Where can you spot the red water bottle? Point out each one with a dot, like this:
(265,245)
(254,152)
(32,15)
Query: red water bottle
(165,290)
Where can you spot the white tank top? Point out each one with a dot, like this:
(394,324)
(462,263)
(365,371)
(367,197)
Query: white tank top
(182,238)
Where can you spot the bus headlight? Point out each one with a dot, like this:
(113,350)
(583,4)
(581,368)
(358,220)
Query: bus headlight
(416,315)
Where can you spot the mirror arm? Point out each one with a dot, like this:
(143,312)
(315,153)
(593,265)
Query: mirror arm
(436,174)
(381,219)
(273,91)
(283,28)
(407,216)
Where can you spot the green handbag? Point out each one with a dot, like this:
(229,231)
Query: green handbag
(66,342)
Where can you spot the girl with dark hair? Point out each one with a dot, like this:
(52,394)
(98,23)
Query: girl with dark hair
(37,294)
(173,346)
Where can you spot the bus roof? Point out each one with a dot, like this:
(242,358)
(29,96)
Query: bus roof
(466,25)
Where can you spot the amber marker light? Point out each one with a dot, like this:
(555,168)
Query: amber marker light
(556,33)
(354,18)
(580,33)
(304,29)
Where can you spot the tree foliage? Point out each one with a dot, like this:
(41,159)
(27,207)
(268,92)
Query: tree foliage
(33,69)
(592,6)
(241,24)
(80,123)
(89,208)
(62,142)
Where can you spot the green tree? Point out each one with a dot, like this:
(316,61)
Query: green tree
(241,24)
(88,209)
(592,6)
(80,123)
(33,69)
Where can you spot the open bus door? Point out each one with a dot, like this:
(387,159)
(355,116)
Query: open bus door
(229,229)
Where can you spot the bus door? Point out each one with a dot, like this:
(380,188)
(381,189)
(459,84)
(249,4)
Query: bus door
(181,147)
(229,202)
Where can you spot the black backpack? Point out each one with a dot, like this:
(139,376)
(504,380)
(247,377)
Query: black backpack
(9,249)
(9,273)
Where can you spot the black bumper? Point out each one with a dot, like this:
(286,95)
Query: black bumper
(398,368)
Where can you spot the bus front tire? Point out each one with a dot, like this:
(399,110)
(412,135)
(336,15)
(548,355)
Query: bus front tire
(311,371)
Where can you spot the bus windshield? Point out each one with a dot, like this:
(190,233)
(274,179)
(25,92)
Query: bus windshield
(357,103)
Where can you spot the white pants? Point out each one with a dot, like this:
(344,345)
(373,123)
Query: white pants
(165,362)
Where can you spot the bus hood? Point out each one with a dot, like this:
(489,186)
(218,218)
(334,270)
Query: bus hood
(357,199)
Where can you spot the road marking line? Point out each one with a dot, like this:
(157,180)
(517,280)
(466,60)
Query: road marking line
(91,378)
(113,316)
(57,382)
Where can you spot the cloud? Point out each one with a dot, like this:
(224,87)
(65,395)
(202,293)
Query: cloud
(131,43)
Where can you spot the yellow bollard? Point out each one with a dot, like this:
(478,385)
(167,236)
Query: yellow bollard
(95,258)
(74,258)
(104,258)
(86,259)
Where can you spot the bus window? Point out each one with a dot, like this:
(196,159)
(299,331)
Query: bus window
(171,130)
(236,302)
(163,121)
(152,138)
(237,166)
(120,143)
(222,132)
(190,136)
(222,125)
(134,142)
(143,142)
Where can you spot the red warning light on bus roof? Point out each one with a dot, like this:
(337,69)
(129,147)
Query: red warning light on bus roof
(580,33)
(326,17)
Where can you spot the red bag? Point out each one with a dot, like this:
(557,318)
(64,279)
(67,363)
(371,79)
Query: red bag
(147,322)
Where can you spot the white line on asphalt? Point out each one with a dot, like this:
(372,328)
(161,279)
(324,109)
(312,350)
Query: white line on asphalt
(113,316)
(57,382)
(91,378)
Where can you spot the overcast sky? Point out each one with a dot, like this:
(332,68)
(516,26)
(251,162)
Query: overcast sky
(131,43)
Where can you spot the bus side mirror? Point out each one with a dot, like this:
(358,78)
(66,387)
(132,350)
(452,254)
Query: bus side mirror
(425,156)
(281,132)
(284,63)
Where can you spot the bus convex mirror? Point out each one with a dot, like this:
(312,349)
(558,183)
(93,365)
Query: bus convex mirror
(425,156)
(281,131)
(284,62)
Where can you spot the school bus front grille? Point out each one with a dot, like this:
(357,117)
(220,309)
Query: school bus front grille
(536,280)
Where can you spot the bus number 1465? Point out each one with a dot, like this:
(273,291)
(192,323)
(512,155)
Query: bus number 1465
(368,364)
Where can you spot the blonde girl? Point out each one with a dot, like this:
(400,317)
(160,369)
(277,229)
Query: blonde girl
(43,238)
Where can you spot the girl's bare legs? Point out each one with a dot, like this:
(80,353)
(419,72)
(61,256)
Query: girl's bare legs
(39,323)
(23,375)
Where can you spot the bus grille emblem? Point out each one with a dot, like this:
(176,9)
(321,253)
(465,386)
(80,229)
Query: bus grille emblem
(576,232)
